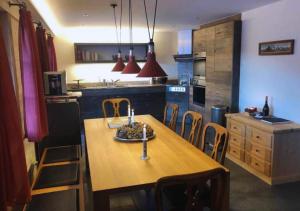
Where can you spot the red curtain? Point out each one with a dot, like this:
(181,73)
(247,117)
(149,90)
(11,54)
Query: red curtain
(14,184)
(36,125)
(52,53)
(43,48)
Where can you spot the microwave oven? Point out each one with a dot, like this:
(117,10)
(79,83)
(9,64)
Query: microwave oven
(55,83)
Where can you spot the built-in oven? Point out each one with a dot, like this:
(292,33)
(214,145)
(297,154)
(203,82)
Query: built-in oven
(199,65)
(199,95)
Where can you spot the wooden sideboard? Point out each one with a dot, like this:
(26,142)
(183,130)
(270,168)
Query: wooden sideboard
(270,152)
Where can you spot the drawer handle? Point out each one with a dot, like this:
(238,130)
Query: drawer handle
(234,127)
(257,137)
(234,151)
(234,139)
(256,150)
(256,164)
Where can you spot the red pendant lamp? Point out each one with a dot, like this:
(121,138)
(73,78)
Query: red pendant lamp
(119,66)
(132,67)
(151,68)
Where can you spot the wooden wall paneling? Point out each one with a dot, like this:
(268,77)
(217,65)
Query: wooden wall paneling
(224,46)
(199,41)
(236,17)
(222,43)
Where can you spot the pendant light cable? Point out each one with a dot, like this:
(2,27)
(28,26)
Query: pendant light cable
(130,25)
(121,16)
(147,20)
(116,26)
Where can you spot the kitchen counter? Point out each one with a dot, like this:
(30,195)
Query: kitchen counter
(145,99)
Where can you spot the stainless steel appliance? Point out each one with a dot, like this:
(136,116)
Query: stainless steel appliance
(55,83)
(199,65)
(180,96)
(199,95)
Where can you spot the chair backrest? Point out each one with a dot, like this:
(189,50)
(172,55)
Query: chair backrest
(220,141)
(174,114)
(116,105)
(63,125)
(193,184)
(194,134)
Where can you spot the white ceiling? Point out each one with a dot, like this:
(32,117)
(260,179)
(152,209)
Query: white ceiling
(171,14)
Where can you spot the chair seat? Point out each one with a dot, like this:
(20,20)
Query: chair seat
(59,175)
(55,201)
(61,154)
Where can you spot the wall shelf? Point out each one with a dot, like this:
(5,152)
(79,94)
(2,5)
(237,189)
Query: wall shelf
(86,53)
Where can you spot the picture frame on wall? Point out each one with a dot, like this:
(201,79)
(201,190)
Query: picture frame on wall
(280,47)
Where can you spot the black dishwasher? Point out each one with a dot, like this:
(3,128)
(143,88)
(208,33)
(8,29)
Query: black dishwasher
(180,96)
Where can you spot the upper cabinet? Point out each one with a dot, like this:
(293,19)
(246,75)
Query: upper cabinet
(224,35)
(107,52)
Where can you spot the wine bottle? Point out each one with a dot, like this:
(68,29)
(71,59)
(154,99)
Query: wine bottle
(266,108)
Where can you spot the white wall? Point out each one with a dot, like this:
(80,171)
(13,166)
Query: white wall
(165,47)
(274,76)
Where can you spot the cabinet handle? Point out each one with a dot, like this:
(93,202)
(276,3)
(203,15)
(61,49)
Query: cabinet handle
(234,128)
(256,164)
(257,137)
(256,150)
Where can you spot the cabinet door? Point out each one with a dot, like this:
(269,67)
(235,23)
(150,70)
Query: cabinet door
(210,49)
(224,47)
(199,41)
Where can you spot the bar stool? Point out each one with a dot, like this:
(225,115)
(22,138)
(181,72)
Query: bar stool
(220,141)
(116,105)
(194,134)
(174,114)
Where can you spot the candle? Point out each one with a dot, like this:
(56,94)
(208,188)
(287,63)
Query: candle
(132,116)
(144,153)
(144,132)
(128,110)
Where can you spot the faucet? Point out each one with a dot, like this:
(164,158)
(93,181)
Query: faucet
(114,83)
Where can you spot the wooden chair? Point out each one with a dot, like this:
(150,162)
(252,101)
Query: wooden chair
(220,141)
(58,181)
(174,114)
(116,105)
(192,196)
(195,127)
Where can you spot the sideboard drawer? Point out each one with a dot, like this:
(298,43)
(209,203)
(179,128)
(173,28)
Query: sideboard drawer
(261,137)
(237,140)
(260,152)
(258,164)
(237,152)
(237,128)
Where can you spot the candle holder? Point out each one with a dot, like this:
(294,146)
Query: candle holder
(129,120)
(145,154)
(144,139)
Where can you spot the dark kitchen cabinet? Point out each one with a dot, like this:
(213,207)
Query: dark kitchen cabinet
(145,100)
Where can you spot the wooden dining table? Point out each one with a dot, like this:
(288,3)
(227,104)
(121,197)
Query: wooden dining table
(117,166)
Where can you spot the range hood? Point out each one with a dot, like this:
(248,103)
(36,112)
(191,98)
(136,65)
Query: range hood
(184,47)
(183,57)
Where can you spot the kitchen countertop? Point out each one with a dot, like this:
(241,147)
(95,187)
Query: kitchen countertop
(122,86)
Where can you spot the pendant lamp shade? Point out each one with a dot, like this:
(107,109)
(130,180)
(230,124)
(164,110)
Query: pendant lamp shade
(132,67)
(119,65)
(152,68)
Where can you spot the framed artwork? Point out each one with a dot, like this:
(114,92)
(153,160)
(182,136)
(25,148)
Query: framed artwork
(281,47)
